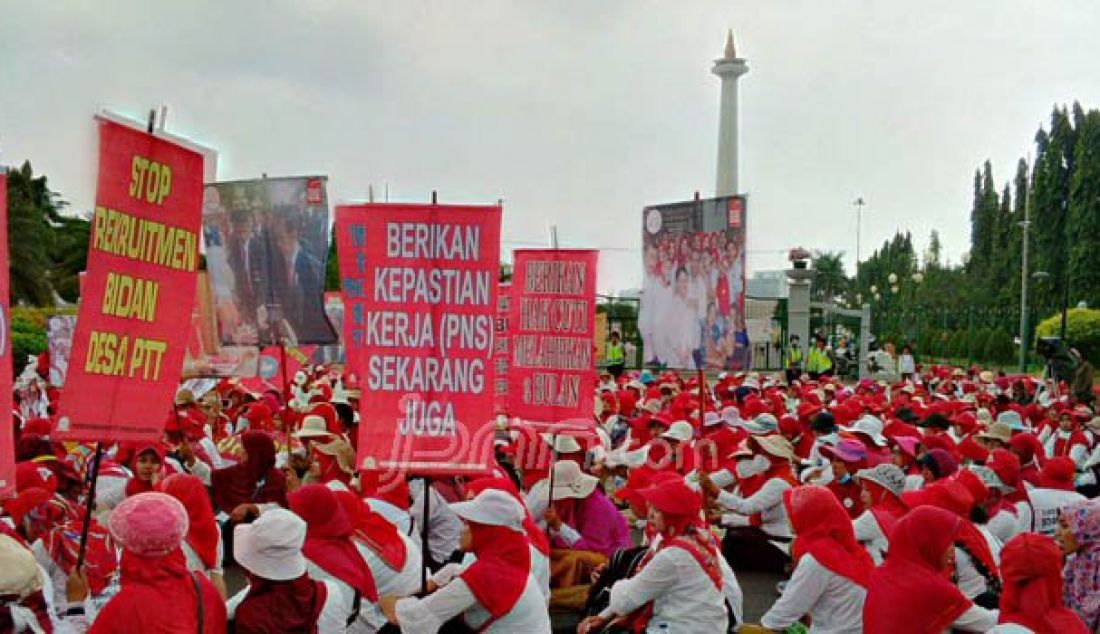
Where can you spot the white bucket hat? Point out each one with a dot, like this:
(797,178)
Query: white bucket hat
(563,443)
(870,426)
(271,547)
(732,416)
(312,427)
(680,430)
(710,419)
(571,482)
(494,508)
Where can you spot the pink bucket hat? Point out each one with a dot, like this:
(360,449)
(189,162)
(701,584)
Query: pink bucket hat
(149,524)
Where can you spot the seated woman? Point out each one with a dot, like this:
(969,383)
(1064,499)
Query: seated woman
(497,593)
(281,596)
(882,489)
(911,592)
(759,527)
(331,553)
(158,593)
(203,544)
(678,584)
(831,568)
(585,529)
(1032,598)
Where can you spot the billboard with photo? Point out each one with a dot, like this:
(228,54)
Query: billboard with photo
(692,313)
(266,245)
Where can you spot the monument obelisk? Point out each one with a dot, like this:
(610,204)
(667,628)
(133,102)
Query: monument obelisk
(729,68)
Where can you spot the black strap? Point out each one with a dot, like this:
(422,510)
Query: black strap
(198,600)
(356,604)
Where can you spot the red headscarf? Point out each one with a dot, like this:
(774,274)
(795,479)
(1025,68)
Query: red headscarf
(203,534)
(1032,592)
(499,576)
(954,496)
(273,607)
(374,531)
(254,481)
(1007,467)
(390,488)
(911,593)
(328,538)
(823,529)
(137,485)
(535,534)
(158,597)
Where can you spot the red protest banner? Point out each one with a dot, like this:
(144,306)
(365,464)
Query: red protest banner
(501,350)
(420,295)
(552,372)
(7,440)
(135,311)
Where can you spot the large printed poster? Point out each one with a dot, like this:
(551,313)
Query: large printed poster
(135,309)
(692,313)
(266,246)
(420,295)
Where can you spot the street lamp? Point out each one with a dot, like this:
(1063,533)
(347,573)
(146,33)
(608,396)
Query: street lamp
(893,278)
(918,277)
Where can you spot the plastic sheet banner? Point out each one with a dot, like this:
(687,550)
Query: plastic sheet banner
(7,440)
(552,370)
(143,255)
(420,295)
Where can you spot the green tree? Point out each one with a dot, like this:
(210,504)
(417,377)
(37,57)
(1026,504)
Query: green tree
(1083,221)
(831,280)
(33,209)
(332,264)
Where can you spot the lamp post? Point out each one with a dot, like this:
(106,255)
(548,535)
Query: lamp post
(859,221)
(1025,225)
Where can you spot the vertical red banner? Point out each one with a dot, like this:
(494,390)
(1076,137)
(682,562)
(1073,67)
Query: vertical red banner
(135,309)
(552,371)
(420,301)
(501,348)
(7,441)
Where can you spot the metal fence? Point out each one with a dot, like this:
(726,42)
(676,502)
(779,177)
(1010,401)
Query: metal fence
(988,336)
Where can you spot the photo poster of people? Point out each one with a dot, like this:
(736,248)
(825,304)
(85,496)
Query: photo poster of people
(266,245)
(692,313)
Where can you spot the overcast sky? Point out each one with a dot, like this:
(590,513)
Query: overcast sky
(576,113)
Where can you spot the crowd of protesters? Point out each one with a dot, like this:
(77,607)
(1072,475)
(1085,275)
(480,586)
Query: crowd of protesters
(955,499)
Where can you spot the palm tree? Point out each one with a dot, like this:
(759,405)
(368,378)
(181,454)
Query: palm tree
(831,280)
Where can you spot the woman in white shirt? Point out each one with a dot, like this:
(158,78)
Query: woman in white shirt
(678,587)
(831,568)
(280,595)
(495,594)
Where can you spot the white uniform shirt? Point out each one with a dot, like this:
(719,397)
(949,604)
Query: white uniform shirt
(834,602)
(768,502)
(1048,504)
(444,527)
(1079,452)
(425,616)
(196,564)
(684,598)
(869,534)
(390,582)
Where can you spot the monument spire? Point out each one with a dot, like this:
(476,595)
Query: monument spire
(729,68)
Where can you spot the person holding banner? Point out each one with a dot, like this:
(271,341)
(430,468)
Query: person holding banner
(497,594)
